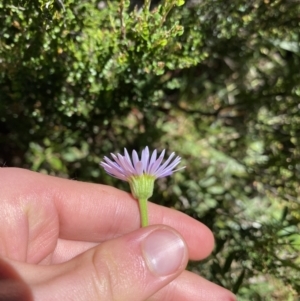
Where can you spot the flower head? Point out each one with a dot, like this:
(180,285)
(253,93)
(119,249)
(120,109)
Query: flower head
(141,173)
(123,167)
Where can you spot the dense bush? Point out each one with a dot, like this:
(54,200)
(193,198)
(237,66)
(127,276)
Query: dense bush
(216,81)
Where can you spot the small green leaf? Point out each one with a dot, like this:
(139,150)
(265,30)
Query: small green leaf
(216,190)
(180,2)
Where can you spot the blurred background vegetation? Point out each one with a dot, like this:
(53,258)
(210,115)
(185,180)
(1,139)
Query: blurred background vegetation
(216,81)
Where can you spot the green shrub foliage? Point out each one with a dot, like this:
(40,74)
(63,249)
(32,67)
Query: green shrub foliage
(216,81)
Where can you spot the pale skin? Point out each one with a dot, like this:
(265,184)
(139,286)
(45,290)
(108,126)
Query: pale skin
(69,240)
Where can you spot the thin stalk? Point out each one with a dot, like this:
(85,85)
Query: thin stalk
(147,5)
(143,204)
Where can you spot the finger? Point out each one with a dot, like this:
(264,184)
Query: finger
(131,267)
(68,249)
(96,213)
(12,287)
(191,287)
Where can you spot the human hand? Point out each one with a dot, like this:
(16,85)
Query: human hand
(70,240)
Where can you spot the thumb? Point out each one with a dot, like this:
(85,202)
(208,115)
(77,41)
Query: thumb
(131,267)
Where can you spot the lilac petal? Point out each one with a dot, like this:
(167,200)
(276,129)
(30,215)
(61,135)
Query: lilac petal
(168,172)
(128,168)
(121,177)
(145,157)
(179,168)
(165,174)
(152,160)
(161,168)
(116,159)
(135,158)
(156,164)
(128,158)
(113,171)
(139,168)
(173,164)
(112,164)
(105,165)
(119,160)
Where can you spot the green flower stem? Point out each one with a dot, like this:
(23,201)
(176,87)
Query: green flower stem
(142,188)
(143,203)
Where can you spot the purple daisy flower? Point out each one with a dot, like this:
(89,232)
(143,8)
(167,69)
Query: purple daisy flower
(141,173)
(124,167)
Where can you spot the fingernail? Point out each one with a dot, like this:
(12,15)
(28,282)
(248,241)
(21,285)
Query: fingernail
(163,251)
